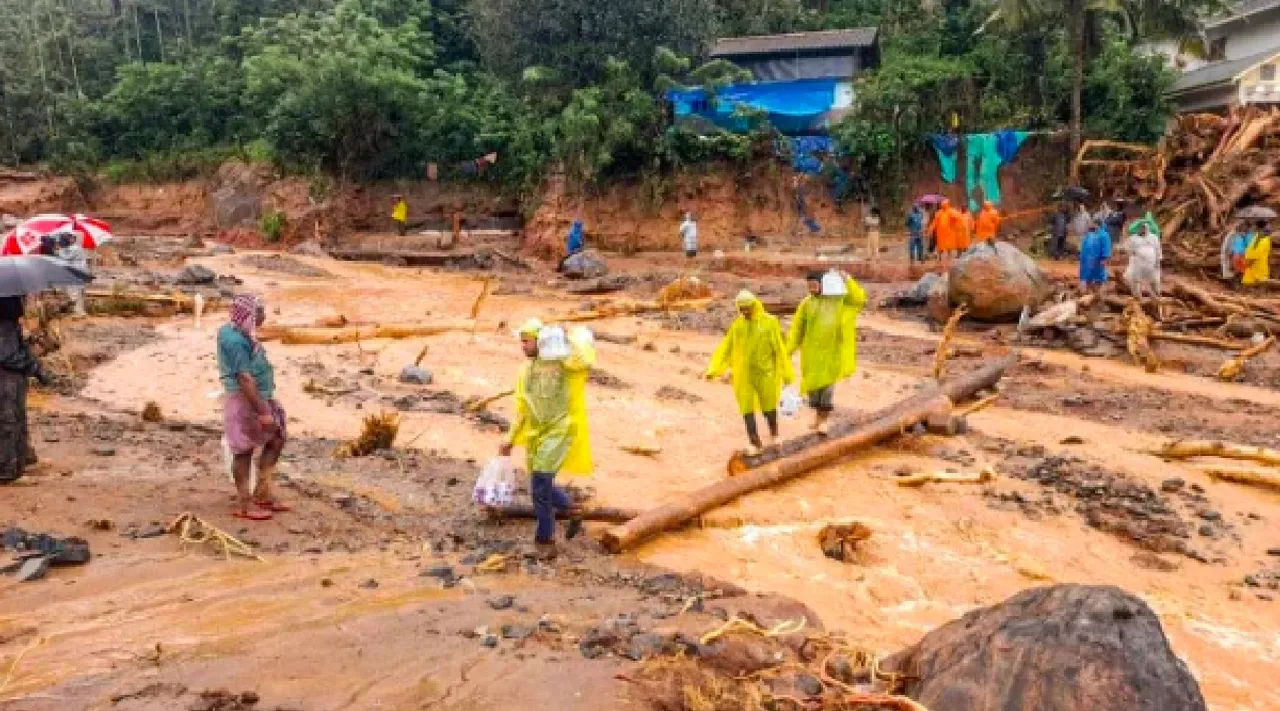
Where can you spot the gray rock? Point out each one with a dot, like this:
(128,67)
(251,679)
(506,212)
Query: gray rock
(33,569)
(645,646)
(516,632)
(1173,485)
(370,584)
(809,685)
(502,602)
(489,641)
(443,572)
(587,264)
(195,274)
(996,283)
(1059,648)
(413,375)
(1209,515)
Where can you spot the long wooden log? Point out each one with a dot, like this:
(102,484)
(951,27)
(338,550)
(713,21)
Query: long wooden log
(333,336)
(1255,476)
(890,425)
(1188,449)
(603,514)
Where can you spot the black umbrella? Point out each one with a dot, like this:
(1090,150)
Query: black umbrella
(30,274)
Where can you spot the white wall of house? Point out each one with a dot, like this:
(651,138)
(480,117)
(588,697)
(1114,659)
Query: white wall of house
(1258,34)
(1261,85)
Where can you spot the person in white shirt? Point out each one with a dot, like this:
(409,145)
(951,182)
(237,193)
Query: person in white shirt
(77,257)
(689,235)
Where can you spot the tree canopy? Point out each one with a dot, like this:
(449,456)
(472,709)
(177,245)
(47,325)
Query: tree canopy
(368,89)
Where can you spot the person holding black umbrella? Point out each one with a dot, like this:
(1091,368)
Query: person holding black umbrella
(17,364)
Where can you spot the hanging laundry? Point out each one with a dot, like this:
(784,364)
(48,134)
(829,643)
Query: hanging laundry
(972,155)
(1008,142)
(946,145)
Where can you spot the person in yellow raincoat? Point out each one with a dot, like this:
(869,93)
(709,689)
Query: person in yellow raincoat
(825,331)
(754,351)
(400,215)
(551,423)
(1257,257)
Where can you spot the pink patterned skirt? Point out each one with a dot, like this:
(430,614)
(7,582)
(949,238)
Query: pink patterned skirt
(243,430)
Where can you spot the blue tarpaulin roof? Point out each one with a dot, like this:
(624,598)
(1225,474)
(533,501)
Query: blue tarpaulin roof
(792,106)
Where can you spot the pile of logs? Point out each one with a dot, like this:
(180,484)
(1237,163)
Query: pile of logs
(1205,169)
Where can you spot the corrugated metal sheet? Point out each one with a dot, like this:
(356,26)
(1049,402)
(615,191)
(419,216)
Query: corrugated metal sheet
(1220,72)
(857,38)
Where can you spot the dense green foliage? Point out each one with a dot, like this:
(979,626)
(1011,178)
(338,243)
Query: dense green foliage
(366,89)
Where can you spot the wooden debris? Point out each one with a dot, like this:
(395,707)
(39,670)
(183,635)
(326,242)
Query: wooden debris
(151,412)
(603,514)
(479,302)
(641,450)
(978,406)
(896,420)
(192,529)
(378,432)
(684,289)
(1255,476)
(480,404)
(1188,449)
(1233,368)
(948,332)
(1140,327)
(842,541)
(986,476)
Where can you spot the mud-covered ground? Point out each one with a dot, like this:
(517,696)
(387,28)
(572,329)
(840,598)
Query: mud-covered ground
(386,588)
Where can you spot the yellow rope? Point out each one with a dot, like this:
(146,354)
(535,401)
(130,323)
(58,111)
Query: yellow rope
(738,624)
(9,676)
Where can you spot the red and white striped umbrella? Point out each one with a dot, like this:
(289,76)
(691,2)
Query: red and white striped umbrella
(25,238)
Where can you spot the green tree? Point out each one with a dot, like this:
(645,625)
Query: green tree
(575,39)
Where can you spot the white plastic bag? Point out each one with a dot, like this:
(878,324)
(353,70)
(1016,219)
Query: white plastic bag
(790,403)
(496,485)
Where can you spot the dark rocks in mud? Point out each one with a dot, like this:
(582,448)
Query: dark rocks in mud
(672,394)
(196,275)
(414,375)
(1059,648)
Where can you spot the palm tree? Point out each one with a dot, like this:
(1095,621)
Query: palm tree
(1144,20)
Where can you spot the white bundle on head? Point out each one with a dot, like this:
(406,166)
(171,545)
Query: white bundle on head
(552,344)
(833,285)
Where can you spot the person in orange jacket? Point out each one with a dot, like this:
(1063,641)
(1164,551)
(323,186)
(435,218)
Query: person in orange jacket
(949,230)
(987,226)
(966,237)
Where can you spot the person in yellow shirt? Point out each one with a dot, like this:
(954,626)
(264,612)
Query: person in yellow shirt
(1257,257)
(755,353)
(825,331)
(551,422)
(400,215)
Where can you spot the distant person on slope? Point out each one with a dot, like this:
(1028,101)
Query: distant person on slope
(689,235)
(252,417)
(400,215)
(753,350)
(575,242)
(551,423)
(825,331)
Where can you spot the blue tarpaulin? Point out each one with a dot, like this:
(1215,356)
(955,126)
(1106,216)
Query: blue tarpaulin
(792,106)
(806,151)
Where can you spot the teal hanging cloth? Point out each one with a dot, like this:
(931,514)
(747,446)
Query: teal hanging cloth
(946,145)
(973,151)
(989,175)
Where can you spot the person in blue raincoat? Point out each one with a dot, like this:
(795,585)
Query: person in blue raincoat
(575,242)
(1095,250)
(915,227)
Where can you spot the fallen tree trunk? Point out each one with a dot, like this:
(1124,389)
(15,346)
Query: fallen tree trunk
(918,480)
(1225,450)
(897,420)
(603,514)
(353,334)
(1256,476)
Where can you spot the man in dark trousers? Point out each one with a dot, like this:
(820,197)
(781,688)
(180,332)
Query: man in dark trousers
(1058,224)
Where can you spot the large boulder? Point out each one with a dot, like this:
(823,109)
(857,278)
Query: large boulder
(1060,648)
(994,283)
(587,264)
(237,194)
